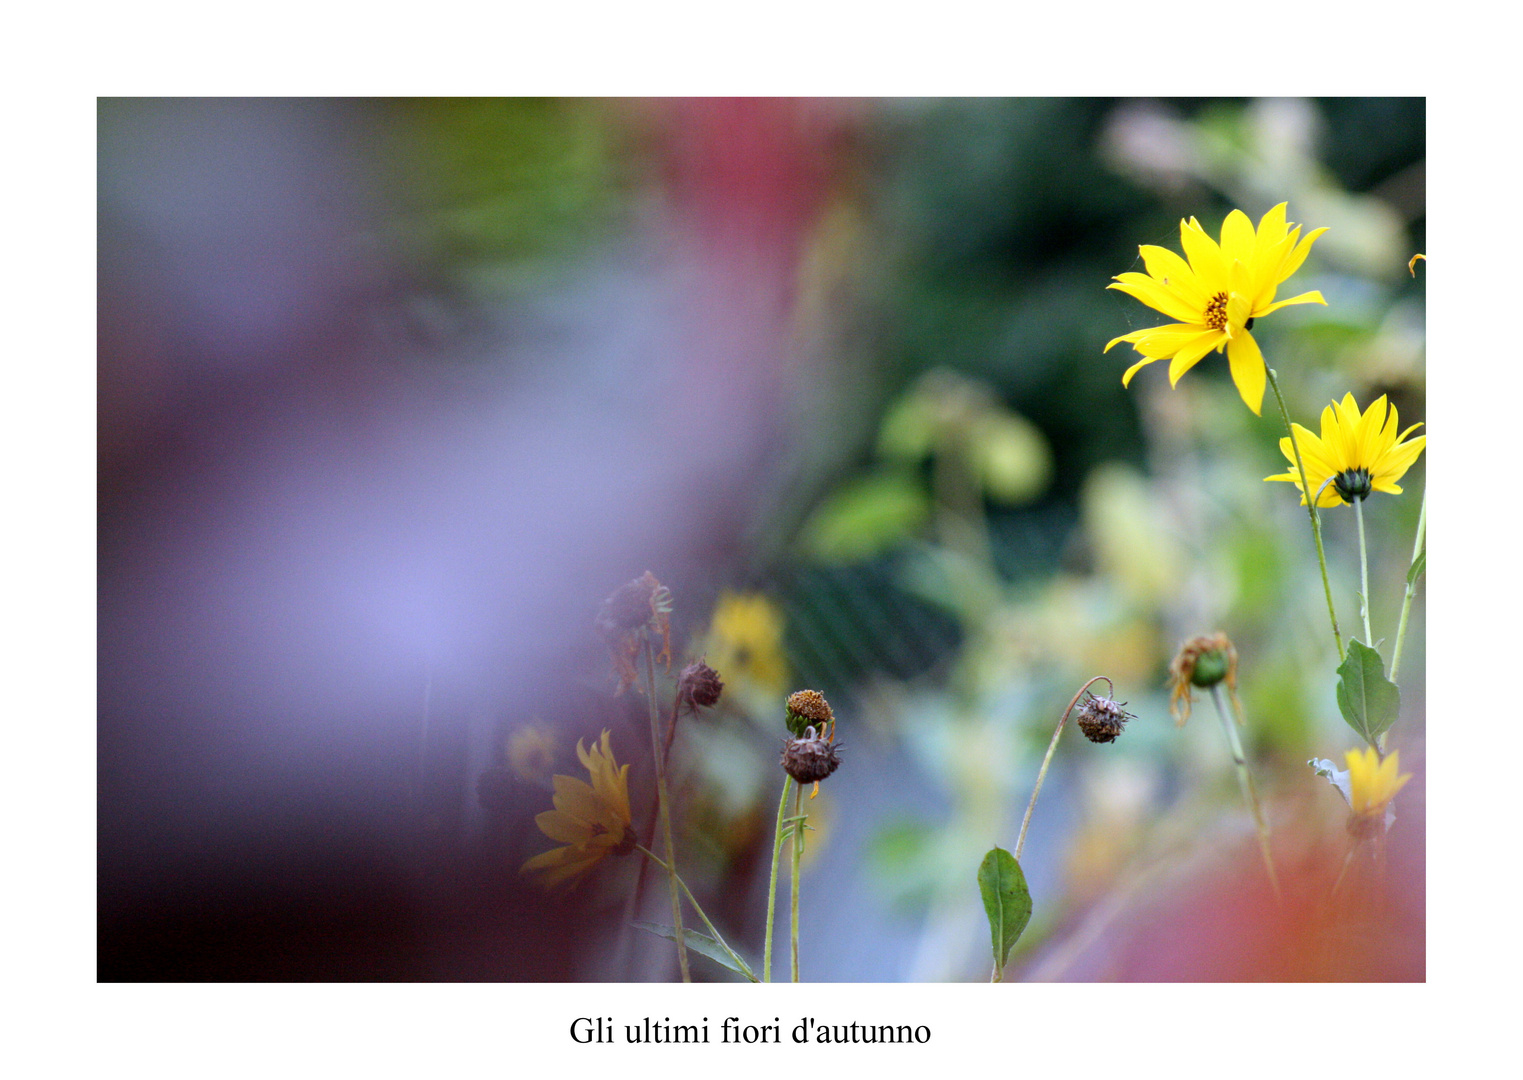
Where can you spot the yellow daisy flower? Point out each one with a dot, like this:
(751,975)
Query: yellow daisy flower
(1355,455)
(1372,782)
(745,641)
(592,820)
(1216,295)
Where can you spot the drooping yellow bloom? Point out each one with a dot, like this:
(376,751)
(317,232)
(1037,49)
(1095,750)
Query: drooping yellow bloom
(1216,295)
(592,820)
(1372,782)
(1355,455)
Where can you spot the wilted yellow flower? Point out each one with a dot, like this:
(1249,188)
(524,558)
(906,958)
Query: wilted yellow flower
(634,607)
(531,751)
(1203,662)
(746,641)
(1355,455)
(592,820)
(1372,782)
(1216,295)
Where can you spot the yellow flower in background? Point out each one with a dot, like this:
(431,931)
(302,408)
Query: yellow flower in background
(531,751)
(592,820)
(1216,295)
(1372,782)
(745,641)
(1356,454)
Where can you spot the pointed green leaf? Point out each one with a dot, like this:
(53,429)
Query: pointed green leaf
(703,945)
(1006,900)
(1418,568)
(1368,700)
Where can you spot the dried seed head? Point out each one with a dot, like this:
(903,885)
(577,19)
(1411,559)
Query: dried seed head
(810,758)
(699,684)
(808,708)
(1102,719)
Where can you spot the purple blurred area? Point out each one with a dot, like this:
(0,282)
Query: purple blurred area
(349,527)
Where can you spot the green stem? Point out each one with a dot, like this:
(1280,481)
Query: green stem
(666,814)
(793,878)
(777,850)
(691,899)
(1418,546)
(1250,796)
(1311,508)
(1020,841)
(1364,575)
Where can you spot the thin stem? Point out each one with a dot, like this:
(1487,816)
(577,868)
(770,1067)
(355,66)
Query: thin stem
(1311,509)
(793,877)
(650,818)
(1020,841)
(1418,546)
(777,849)
(666,814)
(1250,796)
(691,899)
(1364,575)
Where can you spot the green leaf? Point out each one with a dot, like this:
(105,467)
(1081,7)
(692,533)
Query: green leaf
(703,945)
(1368,700)
(865,517)
(1006,901)
(1418,568)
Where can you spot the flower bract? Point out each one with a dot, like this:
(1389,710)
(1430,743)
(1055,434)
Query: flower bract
(1372,782)
(1214,293)
(1355,455)
(591,820)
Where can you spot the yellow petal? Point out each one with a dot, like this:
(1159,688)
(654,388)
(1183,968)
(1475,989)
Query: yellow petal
(1313,297)
(1144,362)
(1192,354)
(1247,364)
(1205,257)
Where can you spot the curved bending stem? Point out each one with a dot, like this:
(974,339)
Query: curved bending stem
(1020,841)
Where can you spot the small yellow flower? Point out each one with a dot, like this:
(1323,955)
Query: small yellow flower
(531,751)
(1355,455)
(1216,295)
(1372,782)
(746,641)
(592,820)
